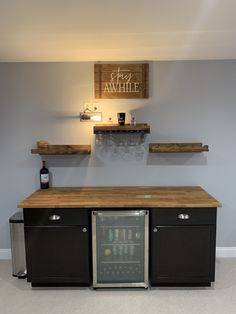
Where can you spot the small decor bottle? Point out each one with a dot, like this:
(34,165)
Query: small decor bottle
(132,119)
(44,176)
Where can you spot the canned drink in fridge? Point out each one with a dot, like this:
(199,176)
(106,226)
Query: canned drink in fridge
(130,234)
(124,235)
(120,250)
(126,250)
(131,250)
(110,235)
(116,235)
(114,250)
(138,235)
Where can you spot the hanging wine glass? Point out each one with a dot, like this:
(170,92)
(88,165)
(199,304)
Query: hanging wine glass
(110,140)
(99,139)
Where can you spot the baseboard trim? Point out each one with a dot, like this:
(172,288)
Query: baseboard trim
(5,254)
(226,251)
(220,252)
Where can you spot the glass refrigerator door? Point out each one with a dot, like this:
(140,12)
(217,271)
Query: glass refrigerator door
(120,248)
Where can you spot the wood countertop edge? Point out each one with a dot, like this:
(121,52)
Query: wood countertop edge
(120,207)
(174,202)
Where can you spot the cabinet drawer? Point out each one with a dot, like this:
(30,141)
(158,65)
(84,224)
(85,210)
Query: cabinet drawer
(183,216)
(56,216)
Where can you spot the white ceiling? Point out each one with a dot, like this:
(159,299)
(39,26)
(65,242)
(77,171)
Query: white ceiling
(113,30)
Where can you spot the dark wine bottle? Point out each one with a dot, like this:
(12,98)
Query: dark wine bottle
(44,176)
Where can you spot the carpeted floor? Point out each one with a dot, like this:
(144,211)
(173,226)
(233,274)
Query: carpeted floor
(17,297)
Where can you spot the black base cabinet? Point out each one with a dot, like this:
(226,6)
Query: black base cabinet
(182,246)
(58,246)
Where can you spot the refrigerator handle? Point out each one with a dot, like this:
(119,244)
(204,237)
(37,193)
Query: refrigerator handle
(138,212)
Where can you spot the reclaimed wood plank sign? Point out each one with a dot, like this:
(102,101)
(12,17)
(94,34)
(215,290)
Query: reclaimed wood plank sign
(126,80)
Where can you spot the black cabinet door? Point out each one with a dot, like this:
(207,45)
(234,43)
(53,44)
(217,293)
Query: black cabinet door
(182,254)
(58,254)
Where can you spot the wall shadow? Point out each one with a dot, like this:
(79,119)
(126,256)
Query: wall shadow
(176,159)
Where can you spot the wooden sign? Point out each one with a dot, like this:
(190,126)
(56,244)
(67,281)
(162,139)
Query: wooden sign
(126,80)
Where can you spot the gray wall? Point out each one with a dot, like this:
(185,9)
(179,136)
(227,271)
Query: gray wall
(189,101)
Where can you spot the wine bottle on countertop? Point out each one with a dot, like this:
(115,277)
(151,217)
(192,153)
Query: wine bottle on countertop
(44,176)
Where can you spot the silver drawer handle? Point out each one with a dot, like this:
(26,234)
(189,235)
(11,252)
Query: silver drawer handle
(54,217)
(154,229)
(84,229)
(183,216)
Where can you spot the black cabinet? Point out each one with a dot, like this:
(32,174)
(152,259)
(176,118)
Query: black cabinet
(58,248)
(182,246)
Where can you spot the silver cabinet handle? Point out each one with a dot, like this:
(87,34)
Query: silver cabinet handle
(54,217)
(84,229)
(183,216)
(155,229)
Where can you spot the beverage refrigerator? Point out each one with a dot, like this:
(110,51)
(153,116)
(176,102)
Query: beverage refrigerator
(120,248)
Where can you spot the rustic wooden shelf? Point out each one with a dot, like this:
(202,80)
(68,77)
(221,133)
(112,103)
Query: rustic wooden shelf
(177,148)
(62,150)
(127,128)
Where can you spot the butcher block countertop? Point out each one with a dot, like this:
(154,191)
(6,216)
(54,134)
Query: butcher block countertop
(119,197)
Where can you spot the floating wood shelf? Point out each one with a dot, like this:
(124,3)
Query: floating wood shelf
(177,148)
(62,150)
(127,128)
